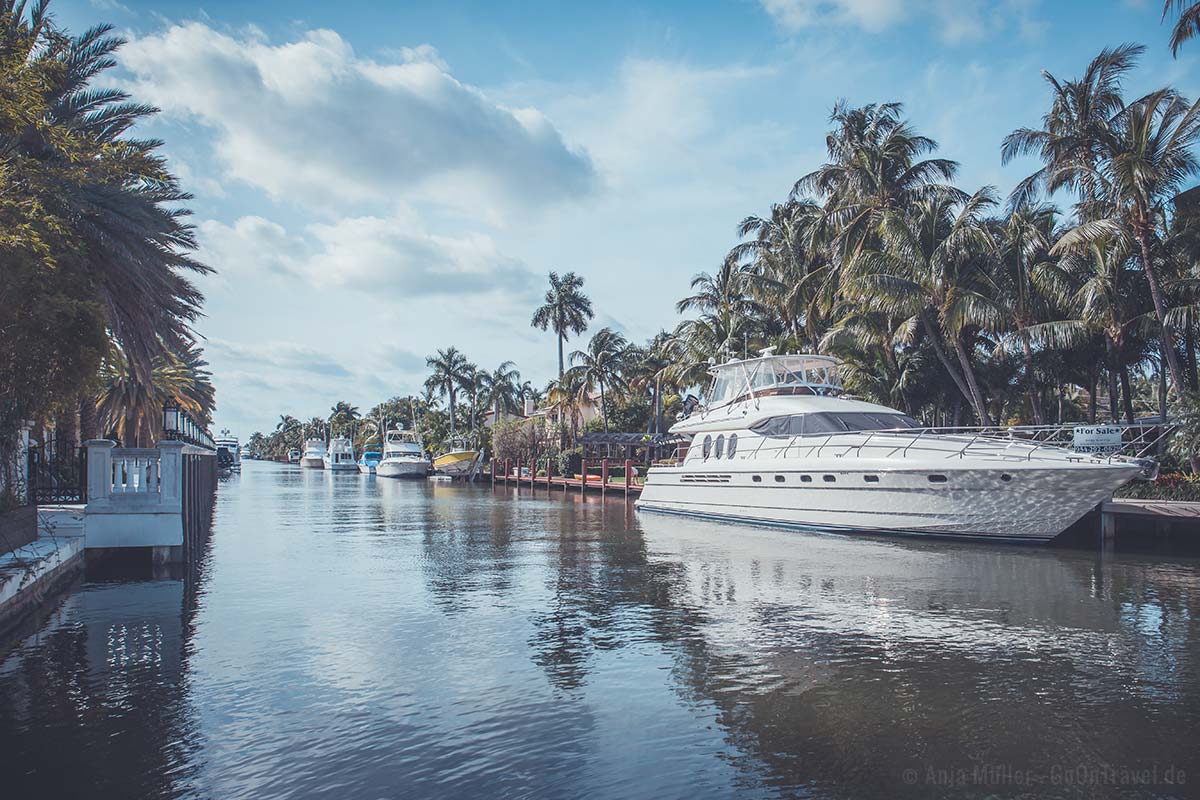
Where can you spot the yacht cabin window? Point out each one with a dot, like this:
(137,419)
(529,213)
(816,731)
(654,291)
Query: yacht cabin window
(833,422)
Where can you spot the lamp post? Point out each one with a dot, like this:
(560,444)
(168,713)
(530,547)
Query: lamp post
(170,420)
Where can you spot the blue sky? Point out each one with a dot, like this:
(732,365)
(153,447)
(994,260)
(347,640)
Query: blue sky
(375,181)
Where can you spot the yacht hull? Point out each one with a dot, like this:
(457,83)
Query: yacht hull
(456,464)
(1030,504)
(366,469)
(402,469)
(310,462)
(345,466)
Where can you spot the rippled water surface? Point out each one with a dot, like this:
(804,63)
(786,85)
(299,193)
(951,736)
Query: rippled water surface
(353,637)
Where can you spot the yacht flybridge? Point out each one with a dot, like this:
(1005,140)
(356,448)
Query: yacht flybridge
(314,454)
(403,456)
(340,455)
(778,444)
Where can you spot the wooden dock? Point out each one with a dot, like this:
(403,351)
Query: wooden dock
(592,477)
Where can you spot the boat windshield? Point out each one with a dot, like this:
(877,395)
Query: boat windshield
(810,374)
(833,422)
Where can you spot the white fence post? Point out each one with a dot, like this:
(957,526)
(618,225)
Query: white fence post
(99,470)
(21,475)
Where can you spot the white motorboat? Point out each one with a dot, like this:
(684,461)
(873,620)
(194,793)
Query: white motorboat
(778,444)
(403,456)
(314,454)
(293,456)
(229,452)
(340,455)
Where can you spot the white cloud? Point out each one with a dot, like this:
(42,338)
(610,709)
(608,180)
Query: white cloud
(283,356)
(871,15)
(958,20)
(387,257)
(312,121)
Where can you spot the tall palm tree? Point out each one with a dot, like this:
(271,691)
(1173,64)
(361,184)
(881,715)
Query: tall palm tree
(1188,24)
(449,372)
(725,304)
(650,368)
(112,195)
(1074,131)
(1143,166)
(1024,237)
(600,365)
(566,310)
(932,268)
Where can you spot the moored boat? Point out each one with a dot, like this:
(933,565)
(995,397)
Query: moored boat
(293,456)
(339,457)
(370,458)
(314,454)
(779,444)
(459,460)
(229,452)
(403,456)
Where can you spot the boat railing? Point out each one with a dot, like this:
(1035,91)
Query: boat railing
(1022,442)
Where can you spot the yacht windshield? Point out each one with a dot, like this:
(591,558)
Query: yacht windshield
(833,422)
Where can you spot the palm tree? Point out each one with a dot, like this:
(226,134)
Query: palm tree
(601,365)
(724,303)
(1142,169)
(449,372)
(1188,24)
(132,406)
(501,389)
(650,368)
(1024,238)
(342,416)
(1073,131)
(565,398)
(566,310)
(111,195)
(932,268)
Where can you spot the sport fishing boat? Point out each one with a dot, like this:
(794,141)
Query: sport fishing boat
(370,458)
(340,455)
(778,443)
(459,460)
(403,456)
(314,454)
(229,453)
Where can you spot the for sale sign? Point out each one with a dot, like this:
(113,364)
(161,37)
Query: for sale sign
(1097,439)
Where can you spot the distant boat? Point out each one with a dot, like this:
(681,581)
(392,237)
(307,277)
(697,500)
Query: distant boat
(459,460)
(229,455)
(340,455)
(314,454)
(293,456)
(403,456)
(370,458)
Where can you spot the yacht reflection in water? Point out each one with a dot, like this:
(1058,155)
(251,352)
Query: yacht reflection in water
(854,660)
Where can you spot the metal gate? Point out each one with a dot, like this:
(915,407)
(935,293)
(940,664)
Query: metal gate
(57,475)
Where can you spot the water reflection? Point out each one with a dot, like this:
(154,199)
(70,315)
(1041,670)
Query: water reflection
(357,637)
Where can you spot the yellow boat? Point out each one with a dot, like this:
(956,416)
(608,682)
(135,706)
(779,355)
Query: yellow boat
(458,460)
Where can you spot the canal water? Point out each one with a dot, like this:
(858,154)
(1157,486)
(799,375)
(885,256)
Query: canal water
(353,637)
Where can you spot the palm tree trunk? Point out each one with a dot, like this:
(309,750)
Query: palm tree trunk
(603,410)
(89,423)
(560,357)
(1126,393)
(1093,387)
(976,395)
(1160,309)
(658,406)
(1035,403)
(451,412)
(1113,394)
(935,339)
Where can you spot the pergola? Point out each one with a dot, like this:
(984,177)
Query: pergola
(656,446)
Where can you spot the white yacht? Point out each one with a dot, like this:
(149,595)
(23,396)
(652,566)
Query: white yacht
(229,453)
(403,456)
(293,456)
(340,455)
(778,444)
(314,454)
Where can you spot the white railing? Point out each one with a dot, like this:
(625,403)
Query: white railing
(1012,443)
(136,470)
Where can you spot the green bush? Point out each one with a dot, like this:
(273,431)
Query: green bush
(1171,486)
